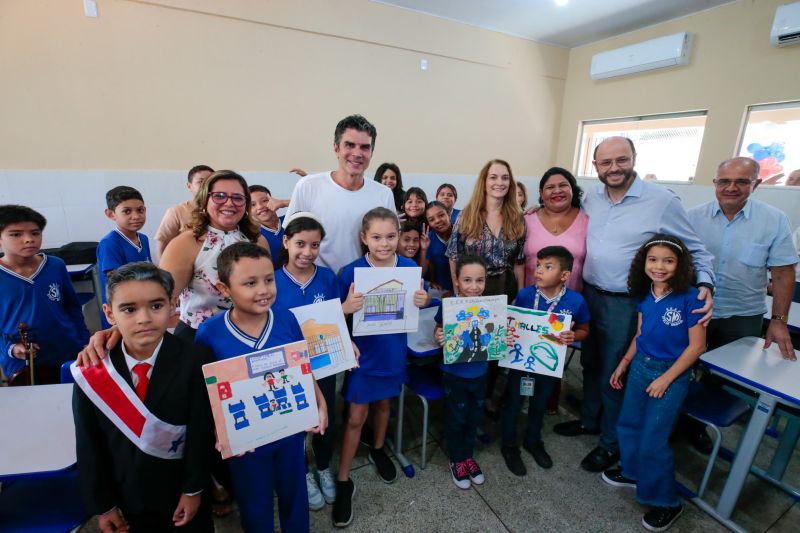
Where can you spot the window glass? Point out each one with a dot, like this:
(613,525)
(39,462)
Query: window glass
(771,136)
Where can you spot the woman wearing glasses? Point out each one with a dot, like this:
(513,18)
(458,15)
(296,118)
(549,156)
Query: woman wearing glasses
(219,219)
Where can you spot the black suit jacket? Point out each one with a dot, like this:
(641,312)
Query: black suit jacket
(113,471)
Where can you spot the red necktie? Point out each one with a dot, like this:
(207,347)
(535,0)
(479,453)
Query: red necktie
(141,371)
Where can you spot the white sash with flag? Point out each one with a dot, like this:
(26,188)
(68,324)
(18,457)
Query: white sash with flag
(109,391)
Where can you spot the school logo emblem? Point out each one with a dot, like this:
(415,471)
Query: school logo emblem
(672,317)
(54,293)
(318,298)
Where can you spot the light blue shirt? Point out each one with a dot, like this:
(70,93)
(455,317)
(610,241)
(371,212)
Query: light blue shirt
(618,230)
(758,237)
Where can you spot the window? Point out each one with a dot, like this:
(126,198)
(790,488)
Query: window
(667,146)
(771,136)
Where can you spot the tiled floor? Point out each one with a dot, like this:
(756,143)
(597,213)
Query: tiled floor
(564,498)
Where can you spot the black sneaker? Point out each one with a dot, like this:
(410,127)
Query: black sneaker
(383,465)
(614,477)
(599,460)
(343,506)
(661,518)
(539,454)
(513,460)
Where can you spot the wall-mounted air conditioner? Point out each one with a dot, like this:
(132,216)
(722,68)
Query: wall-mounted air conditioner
(664,52)
(786,26)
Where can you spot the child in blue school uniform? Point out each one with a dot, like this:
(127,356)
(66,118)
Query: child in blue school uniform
(464,386)
(247,277)
(301,282)
(438,271)
(668,342)
(124,244)
(35,290)
(269,221)
(381,371)
(548,293)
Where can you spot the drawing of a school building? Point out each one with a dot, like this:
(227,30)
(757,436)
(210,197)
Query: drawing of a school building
(385,302)
(324,343)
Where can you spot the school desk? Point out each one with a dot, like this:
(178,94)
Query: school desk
(776,382)
(39,433)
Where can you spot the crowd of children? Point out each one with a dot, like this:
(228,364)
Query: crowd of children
(154,488)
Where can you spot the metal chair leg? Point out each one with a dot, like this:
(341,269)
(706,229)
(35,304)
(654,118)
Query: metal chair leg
(424,461)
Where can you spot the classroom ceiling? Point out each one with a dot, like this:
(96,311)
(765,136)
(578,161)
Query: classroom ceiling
(575,23)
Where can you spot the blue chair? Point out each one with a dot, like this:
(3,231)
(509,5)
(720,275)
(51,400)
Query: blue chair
(717,409)
(42,504)
(66,373)
(426,382)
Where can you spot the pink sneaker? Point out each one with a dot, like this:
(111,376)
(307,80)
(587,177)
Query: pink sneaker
(474,471)
(458,471)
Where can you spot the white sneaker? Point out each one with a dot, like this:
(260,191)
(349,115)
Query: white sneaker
(327,484)
(315,499)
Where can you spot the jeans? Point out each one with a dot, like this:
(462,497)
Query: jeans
(323,444)
(464,399)
(612,326)
(644,428)
(542,390)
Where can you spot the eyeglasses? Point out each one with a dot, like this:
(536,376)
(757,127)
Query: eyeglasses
(620,161)
(725,182)
(220,198)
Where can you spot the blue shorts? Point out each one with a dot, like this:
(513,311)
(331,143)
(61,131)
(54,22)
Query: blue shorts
(364,388)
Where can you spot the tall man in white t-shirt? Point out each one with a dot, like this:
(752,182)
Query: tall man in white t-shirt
(341,198)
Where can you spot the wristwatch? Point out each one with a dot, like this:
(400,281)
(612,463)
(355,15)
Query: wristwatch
(707,285)
(782,318)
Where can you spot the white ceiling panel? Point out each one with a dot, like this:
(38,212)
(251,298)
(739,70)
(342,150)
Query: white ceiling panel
(576,23)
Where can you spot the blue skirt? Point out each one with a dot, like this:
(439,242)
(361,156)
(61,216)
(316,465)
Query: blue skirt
(364,388)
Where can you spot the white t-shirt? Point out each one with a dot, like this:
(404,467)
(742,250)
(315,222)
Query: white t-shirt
(340,211)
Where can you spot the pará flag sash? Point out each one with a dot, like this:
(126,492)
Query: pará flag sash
(109,391)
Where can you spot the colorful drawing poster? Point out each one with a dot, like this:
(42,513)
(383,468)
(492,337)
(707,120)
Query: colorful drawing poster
(261,397)
(474,328)
(388,300)
(535,346)
(329,346)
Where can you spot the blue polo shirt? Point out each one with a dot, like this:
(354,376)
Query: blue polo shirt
(666,322)
(744,248)
(323,285)
(440,262)
(274,238)
(572,303)
(116,250)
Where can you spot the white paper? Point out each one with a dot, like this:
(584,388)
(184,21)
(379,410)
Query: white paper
(325,330)
(535,347)
(388,300)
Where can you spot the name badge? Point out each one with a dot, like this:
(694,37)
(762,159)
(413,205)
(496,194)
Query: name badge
(526,386)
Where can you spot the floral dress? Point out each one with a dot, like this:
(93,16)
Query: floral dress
(201,299)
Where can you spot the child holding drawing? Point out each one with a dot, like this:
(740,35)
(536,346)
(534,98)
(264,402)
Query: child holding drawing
(464,385)
(381,365)
(549,293)
(668,341)
(247,277)
(300,282)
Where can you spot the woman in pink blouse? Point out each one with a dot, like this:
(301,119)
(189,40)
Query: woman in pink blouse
(559,222)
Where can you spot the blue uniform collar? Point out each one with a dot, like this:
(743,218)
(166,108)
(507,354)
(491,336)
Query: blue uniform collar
(296,282)
(257,343)
(23,278)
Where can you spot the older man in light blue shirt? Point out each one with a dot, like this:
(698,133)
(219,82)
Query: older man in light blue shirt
(747,237)
(624,211)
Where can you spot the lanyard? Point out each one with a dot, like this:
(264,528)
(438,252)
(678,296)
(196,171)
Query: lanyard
(555,300)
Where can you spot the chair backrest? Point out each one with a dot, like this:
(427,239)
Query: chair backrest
(66,373)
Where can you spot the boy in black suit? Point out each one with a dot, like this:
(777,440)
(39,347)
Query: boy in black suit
(142,418)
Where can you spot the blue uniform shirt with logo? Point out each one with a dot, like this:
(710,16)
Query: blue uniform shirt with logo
(323,285)
(274,238)
(572,303)
(666,322)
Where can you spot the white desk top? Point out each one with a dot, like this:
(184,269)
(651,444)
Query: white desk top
(746,361)
(794,313)
(81,268)
(38,430)
(421,342)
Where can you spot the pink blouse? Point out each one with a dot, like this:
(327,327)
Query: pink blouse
(573,239)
